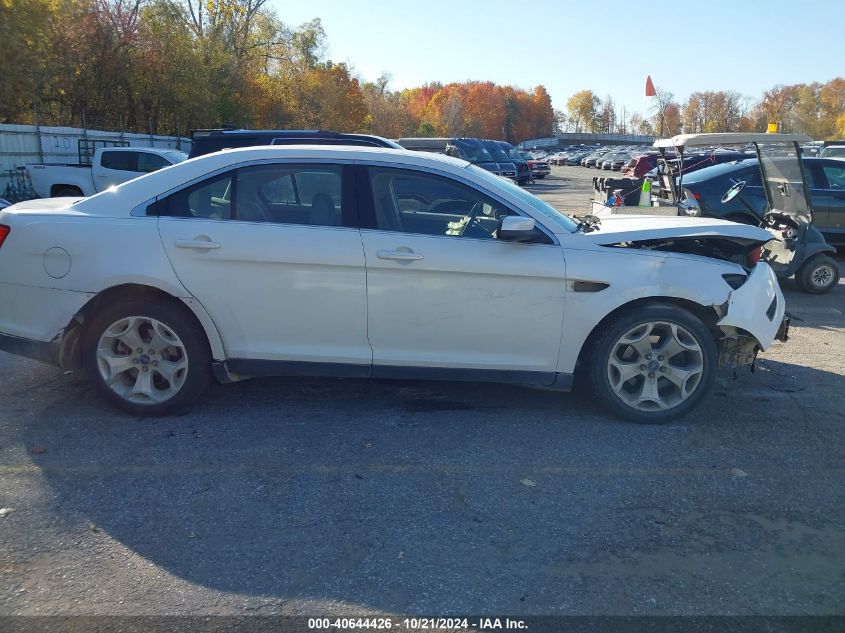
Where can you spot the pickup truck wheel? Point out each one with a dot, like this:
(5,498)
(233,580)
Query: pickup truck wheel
(146,357)
(818,275)
(654,363)
(67,192)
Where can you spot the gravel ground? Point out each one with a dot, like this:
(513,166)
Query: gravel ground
(318,497)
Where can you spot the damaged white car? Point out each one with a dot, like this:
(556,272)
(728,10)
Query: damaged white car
(384,263)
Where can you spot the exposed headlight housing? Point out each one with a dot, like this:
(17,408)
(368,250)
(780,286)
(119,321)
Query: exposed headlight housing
(734,280)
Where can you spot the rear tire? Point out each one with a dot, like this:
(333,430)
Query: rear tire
(146,357)
(818,275)
(653,364)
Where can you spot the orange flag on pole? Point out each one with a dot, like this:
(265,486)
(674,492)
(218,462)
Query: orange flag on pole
(649,88)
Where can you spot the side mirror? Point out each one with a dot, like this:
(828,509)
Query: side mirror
(515,228)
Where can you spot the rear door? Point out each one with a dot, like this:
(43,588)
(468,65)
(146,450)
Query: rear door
(116,166)
(271,251)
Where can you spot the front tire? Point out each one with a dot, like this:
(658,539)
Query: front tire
(654,363)
(148,358)
(818,275)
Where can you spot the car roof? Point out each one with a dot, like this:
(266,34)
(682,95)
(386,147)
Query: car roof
(208,141)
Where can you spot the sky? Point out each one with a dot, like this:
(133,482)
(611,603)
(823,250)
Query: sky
(607,46)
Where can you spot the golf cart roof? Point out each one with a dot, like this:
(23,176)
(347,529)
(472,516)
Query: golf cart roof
(729,138)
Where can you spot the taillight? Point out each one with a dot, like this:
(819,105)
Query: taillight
(755,256)
(4,231)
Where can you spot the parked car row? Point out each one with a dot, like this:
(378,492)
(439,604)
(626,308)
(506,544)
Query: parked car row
(498,157)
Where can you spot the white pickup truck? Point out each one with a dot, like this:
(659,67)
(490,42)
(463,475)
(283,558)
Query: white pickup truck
(111,166)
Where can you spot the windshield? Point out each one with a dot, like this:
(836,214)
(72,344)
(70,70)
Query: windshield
(176,157)
(715,171)
(527,198)
(784,178)
(833,152)
(498,153)
(472,152)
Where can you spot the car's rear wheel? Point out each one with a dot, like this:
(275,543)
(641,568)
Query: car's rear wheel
(818,275)
(654,363)
(147,358)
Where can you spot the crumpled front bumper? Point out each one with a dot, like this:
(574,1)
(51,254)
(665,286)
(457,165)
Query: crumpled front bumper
(758,307)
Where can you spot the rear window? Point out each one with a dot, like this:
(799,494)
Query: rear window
(121,161)
(723,169)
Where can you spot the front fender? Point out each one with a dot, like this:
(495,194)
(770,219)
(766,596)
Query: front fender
(623,276)
(757,306)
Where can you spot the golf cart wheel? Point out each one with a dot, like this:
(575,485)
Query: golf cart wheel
(818,275)
(654,363)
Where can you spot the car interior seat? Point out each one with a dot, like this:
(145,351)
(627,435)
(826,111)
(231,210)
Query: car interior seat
(323,211)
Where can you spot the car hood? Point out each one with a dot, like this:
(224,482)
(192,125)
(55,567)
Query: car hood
(630,228)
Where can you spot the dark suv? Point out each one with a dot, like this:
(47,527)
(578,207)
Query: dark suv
(208,141)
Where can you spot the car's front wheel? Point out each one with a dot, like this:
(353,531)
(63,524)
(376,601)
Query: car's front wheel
(654,363)
(148,357)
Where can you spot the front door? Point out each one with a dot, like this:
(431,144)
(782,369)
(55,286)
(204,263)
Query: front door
(832,224)
(272,253)
(444,293)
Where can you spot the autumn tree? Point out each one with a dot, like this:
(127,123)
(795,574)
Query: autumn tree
(582,108)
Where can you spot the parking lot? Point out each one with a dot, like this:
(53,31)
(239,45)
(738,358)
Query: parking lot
(340,497)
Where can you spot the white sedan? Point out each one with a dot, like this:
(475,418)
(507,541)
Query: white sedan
(362,262)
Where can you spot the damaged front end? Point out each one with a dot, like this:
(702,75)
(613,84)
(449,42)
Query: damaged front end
(753,317)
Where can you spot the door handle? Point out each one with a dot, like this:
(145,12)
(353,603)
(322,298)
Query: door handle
(402,256)
(197,244)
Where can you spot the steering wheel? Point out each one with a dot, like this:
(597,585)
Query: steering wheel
(733,192)
(473,224)
(773,218)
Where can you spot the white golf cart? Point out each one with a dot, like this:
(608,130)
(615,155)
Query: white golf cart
(797,247)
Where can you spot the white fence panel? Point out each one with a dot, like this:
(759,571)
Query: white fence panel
(25,144)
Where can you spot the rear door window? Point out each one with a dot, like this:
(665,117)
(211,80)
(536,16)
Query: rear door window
(276,193)
(119,160)
(210,199)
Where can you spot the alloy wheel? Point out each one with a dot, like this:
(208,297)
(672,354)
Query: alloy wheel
(655,366)
(142,360)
